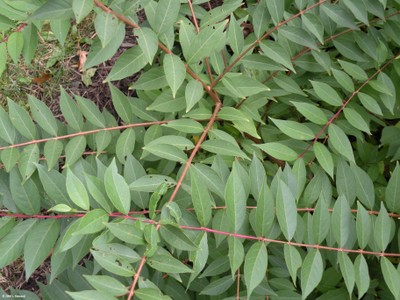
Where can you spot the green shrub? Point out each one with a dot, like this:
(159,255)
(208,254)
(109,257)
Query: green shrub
(258,158)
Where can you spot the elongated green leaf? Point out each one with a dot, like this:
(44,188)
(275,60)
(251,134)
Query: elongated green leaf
(12,245)
(150,294)
(311,112)
(339,141)
(77,191)
(92,222)
(199,257)
(127,232)
(43,115)
(255,266)
(149,183)
(276,8)
(121,104)
(125,144)
(265,211)
(277,53)
(70,111)
(242,86)
(21,120)
(27,160)
(364,186)
(176,238)
(117,189)
(9,157)
(342,221)
(97,190)
(324,157)
(235,35)
(363,226)
(311,273)
(293,261)
(25,195)
(391,277)
(236,254)
(74,149)
(39,243)
(186,126)
(15,45)
(326,93)
(105,24)
(175,72)
(167,263)
(107,284)
(218,286)
(392,193)
(353,70)
(3,57)
(356,120)
(223,148)
(53,10)
(383,229)
(130,62)
(344,80)
(148,42)
(294,129)
(200,197)
(151,80)
(278,150)
(91,112)
(166,15)
(235,199)
(361,275)
(52,152)
(347,269)
(166,151)
(81,9)
(299,36)
(193,93)
(8,132)
(286,211)
(370,103)
(179,142)
(320,226)
(339,15)
(312,23)
(113,263)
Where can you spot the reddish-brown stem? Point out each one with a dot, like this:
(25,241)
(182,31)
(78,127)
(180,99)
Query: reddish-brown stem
(118,16)
(267,34)
(337,114)
(136,278)
(238,285)
(67,136)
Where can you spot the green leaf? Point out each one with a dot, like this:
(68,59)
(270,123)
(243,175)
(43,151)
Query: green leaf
(81,9)
(255,266)
(361,275)
(364,186)
(232,114)
(286,211)
(383,229)
(199,257)
(208,40)
(175,72)
(265,210)
(311,273)
(339,15)
(70,111)
(94,221)
(356,120)
(117,189)
(130,62)
(77,191)
(166,14)
(15,45)
(320,226)
(121,104)
(25,195)
(277,53)
(276,8)
(175,237)
(391,277)
(288,84)
(150,294)
(344,80)
(186,126)
(166,151)
(102,140)
(313,24)
(127,232)
(339,141)
(261,19)
(358,9)
(9,157)
(151,80)
(113,263)
(12,245)
(60,28)
(218,13)
(155,198)
(179,142)
(223,147)
(218,286)
(21,120)
(27,160)
(30,43)
(324,157)
(201,197)
(311,112)
(326,93)
(392,192)
(235,199)
(353,70)
(278,151)
(167,263)
(294,129)
(148,42)
(193,93)
(125,144)
(370,103)
(363,226)
(97,190)
(347,270)
(341,221)
(149,183)
(74,149)
(52,152)
(235,35)
(107,284)
(293,261)
(242,86)
(91,112)
(235,254)
(106,25)
(53,10)
(298,36)
(39,243)
(8,132)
